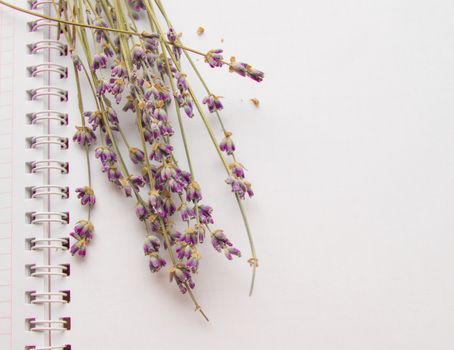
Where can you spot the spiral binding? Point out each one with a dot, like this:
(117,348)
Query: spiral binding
(48,67)
(47,191)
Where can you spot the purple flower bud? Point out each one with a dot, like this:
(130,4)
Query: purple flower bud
(193,192)
(118,70)
(105,154)
(168,207)
(172,35)
(86,195)
(187,213)
(107,50)
(137,156)
(182,82)
(100,35)
(156,262)
(245,69)
(155,200)
(227,144)
(193,262)
(94,119)
(255,74)
(160,150)
(221,243)
(99,61)
(240,187)
(205,212)
(79,247)
(160,114)
(167,171)
(136,181)
(237,169)
(229,252)
(174,186)
(77,62)
(113,173)
(83,234)
(112,118)
(141,212)
(116,89)
(238,67)
(182,276)
(138,55)
(213,102)
(102,87)
(183,251)
(189,236)
(125,186)
(129,105)
(185,177)
(84,136)
(151,244)
(152,42)
(214,58)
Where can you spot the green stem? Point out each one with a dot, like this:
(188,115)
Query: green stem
(253,261)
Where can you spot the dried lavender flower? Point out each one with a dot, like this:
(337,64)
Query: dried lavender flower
(227,144)
(214,58)
(84,136)
(86,195)
(213,102)
(145,69)
(83,234)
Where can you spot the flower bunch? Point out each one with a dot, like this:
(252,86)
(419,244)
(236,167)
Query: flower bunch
(140,73)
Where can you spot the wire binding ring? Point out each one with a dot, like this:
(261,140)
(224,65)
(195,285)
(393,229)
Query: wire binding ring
(48,44)
(49,190)
(48,67)
(40,217)
(46,164)
(42,22)
(37,117)
(49,243)
(49,297)
(49,140)
(49,270)
(35,4)
(60,325)
(48,91)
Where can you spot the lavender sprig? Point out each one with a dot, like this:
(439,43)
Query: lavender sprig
(145,77)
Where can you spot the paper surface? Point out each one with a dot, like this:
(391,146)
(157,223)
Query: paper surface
(350,156)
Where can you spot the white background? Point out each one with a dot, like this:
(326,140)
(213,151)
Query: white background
(351,158)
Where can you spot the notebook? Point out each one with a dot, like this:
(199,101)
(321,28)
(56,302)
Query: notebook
(350,155)
(49,299)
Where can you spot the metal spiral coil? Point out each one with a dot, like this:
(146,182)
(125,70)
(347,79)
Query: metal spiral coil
(49,190)
(48,67)
(38,141)
(50,143)
(60,325)
(61,297)
(46,91)
(48,44)
(43,116)
(39,23)
(36,4)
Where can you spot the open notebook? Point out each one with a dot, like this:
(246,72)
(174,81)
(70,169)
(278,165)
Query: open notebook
(49,299)
(350,156)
